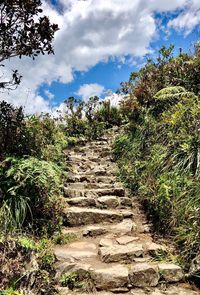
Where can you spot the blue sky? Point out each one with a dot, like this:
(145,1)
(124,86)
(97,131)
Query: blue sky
(110,74)
(100,42)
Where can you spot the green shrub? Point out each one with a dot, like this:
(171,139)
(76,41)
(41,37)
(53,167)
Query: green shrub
(158,158)
(46,254)
(30,191)
(108,114)
(45,139)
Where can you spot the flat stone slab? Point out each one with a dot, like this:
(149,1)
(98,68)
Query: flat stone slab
(88,186)
(82,202)
(127,226)
(106,242)
(74,193)
(94,231)
(77,250)
(124,240)
(82,216)
(119,253)
(110,277)
(144,275)
(109,201)
(170,272)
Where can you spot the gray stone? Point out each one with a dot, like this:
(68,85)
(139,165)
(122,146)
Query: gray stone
(108,278)
(74,193)
(127,214)
(66,268)
(106,242)
(82,202)
(124,240)
(126,202)
(170,272)
(127,226)
(94,231)
(83,216)
(108,201)
(77,250)
(178,290)
(118,253)
(144,275)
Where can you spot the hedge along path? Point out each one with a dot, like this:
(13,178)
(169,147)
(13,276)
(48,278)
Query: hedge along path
(114,251)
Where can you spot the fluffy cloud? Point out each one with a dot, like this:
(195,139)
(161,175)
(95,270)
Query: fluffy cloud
(114,99)
(92,31)
(88,90)
(188,19)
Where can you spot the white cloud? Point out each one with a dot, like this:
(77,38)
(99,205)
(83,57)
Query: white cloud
(88,90)
(93,31)
(114,98)
(188,19)
(49,94)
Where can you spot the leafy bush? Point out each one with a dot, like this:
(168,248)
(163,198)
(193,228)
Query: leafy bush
(108,114)
(89,119)
(45,139)
(158,152)
(164,71)
(30,191)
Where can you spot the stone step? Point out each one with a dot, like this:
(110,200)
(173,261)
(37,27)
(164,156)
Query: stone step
(128,248)
(110,277)
(74,193)
(86,162)
(81,258)
(94,185)
(107,170)
(110,251)
(75,216)
(100,202)
(121,253)
(76,158)
(95,173)
(93,149)
(126,227)
(90,179)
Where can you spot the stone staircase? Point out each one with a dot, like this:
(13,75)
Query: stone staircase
(114,251)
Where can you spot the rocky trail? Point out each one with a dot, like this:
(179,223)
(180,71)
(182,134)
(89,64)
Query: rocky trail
(114,251)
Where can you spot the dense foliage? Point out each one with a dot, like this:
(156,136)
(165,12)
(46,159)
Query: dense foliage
(159,152)
(91,118)
(32,161)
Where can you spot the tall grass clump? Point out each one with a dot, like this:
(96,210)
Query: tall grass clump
(30,194)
